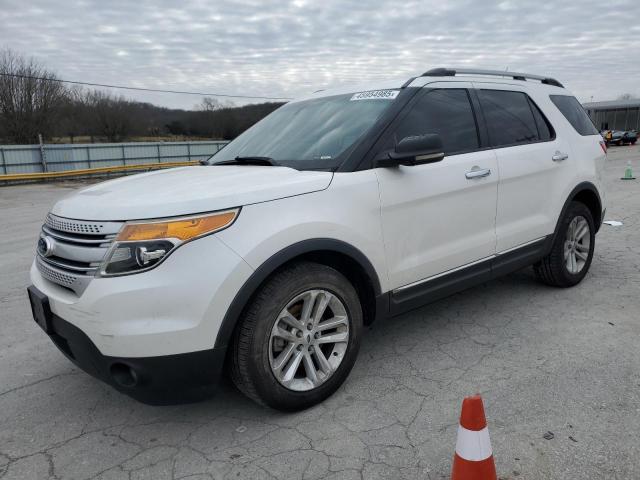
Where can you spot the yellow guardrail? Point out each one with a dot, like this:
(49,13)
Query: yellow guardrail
(91,171)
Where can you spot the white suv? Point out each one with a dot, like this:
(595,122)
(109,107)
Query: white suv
(337,209)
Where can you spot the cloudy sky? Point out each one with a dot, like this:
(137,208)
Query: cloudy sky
(275,48)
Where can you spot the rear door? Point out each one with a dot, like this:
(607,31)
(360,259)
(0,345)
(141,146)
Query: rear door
(586,141)
(439,216)
(535,165)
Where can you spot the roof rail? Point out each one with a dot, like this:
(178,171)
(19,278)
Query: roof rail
(450,72)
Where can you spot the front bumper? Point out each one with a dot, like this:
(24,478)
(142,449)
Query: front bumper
(150,335)
(161,380)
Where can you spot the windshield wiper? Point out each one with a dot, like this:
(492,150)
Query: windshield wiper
(266,161)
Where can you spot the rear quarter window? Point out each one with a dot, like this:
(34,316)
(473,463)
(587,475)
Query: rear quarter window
(545,130)
(572,110)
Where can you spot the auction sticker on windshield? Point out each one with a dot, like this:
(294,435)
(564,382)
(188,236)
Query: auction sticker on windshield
(375,95)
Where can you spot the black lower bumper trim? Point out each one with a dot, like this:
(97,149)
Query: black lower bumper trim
(163,380)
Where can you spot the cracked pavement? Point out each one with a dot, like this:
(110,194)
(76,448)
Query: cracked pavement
(544,359)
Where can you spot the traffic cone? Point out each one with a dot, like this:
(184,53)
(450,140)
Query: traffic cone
(628,173)
(473,459)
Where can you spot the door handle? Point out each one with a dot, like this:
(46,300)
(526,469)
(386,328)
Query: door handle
(559,156)
(477,173)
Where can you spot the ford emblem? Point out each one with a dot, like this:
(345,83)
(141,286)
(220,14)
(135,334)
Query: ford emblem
(45,246)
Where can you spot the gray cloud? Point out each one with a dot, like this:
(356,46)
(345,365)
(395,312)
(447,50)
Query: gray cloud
(276,48)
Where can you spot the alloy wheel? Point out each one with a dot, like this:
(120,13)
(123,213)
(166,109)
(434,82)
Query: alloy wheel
(308,340)
(577,245)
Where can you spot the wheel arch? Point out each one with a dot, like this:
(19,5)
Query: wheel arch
(345,258)
(587,194)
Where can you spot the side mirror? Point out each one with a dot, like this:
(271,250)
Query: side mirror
(416,150)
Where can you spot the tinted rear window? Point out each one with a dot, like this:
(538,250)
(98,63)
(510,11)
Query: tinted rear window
(509,118)
(575,114)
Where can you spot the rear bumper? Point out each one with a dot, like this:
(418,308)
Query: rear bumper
(164,380)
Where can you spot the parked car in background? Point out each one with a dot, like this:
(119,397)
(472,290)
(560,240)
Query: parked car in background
(619,137)
(343,207)
(630,136)
(614,137)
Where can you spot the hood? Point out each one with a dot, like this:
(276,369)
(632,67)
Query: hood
(187,190)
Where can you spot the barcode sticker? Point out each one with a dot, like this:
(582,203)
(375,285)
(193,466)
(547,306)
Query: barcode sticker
(375,95)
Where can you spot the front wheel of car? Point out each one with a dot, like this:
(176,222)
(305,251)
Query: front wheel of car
(572,251)
(298,338)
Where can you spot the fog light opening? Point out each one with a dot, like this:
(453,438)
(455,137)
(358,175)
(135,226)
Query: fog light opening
(123,375)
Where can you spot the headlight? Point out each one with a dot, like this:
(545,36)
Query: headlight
(142,245)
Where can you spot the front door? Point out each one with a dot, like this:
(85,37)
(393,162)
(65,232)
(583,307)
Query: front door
(441,216)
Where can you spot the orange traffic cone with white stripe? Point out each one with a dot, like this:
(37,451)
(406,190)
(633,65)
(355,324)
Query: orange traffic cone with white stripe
(473,459)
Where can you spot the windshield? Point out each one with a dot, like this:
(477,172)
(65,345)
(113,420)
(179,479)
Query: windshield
(310,134)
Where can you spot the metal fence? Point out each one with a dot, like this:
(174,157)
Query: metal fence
(15,159)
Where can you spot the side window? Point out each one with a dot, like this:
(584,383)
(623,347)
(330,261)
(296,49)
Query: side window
(509,118)
(545,130)
(573,111)
(447,112)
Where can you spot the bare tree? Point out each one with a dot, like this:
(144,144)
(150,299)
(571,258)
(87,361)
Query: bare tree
(627,96)
(73,119)
(33,101)
(216,118)
(210,104)
(30,98)
(109,116)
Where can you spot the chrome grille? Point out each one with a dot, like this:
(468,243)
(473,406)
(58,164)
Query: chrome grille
(55,276)
(75,250)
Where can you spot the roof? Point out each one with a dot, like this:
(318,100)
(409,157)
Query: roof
(464,75)
(610,104)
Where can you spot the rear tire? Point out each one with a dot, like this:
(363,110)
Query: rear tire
(572,251)
(306,313)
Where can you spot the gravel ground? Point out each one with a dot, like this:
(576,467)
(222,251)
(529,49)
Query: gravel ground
(564,361)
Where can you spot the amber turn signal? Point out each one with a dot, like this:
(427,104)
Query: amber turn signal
(182,229)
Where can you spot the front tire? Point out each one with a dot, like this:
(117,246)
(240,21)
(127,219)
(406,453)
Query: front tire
(572,250)
(298,338)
